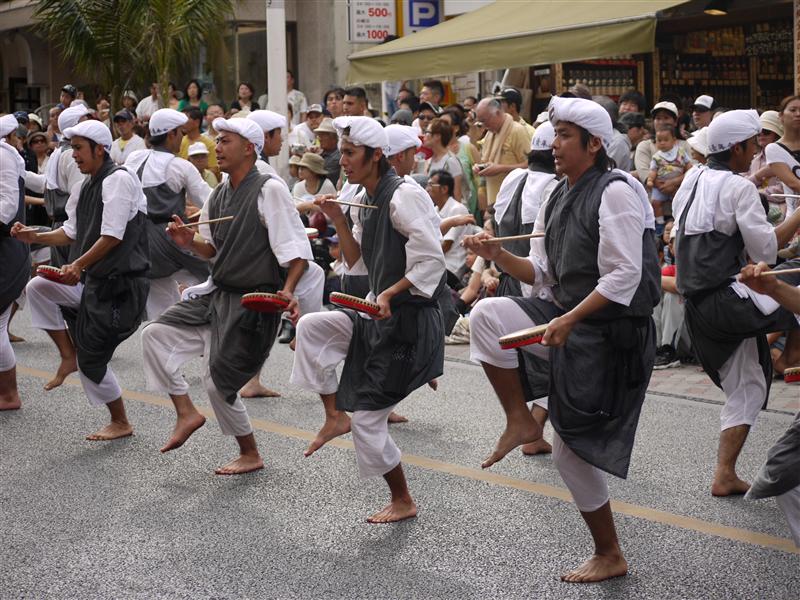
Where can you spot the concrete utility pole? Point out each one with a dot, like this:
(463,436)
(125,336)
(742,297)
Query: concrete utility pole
(276,73)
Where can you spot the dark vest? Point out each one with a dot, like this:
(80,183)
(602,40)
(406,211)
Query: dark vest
(707,261)
(572,238)
(132,254)
(233,269)
(162,202)
(14,255)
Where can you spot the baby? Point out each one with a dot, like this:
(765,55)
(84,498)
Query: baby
(669,161)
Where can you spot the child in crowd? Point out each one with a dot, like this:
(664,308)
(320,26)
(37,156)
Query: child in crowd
(198,156)
(669,161)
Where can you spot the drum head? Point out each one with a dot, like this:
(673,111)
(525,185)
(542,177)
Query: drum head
(791,375)
(48,272)
(356,303)
(525,337)
(264,302)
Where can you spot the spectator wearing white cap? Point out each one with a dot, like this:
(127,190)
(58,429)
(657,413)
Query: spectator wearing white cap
(760,172)
(128,142)
(721,223)
(783,156)
(198,156)
(169,182)
(404,263)
(106,281)
(264,235)
(702,111)
(599,259)
(663,113)
(305,130)
(61,181)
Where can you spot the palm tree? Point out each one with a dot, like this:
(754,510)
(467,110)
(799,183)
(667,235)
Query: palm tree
(124,41)
(101,37)
(174,30)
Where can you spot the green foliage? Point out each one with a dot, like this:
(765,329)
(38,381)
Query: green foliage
(120,42)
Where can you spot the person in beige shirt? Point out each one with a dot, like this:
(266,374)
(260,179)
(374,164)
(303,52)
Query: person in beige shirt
(505,146)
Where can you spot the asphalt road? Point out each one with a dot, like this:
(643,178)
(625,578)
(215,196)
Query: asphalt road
(119,520)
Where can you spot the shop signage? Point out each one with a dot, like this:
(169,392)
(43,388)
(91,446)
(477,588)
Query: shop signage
(371,21)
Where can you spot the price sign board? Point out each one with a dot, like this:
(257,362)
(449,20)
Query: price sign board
(371,21)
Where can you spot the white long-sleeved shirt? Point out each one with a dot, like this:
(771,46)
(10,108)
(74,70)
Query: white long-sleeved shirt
(178,173)
(12,167)
(537,188)
(456,256)
(120,154)
(122,199)
(622,216)
(726,202)
(409,211)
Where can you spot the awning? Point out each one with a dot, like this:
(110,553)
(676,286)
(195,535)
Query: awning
(515,33)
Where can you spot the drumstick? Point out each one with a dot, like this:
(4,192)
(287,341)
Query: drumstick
(786,195)
(206,222)
(511,238)
(340,202)
(28,230)
(780,272)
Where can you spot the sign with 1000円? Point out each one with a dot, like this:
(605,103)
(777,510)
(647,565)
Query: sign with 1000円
(371,21)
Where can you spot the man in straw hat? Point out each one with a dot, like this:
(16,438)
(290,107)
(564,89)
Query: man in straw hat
(14,255)
(104,286)
(599,261)
(212,323)
(720,220)
(168,181)
(403,347)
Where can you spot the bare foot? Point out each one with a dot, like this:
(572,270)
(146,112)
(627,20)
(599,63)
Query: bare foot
(112,431)
(396,418)
(332,428)
(516,434)
(14,339)
(10,404)
(598,568)
(540,446)
(254,389)
(184,428)
(394,512)
(246,463)
(67,366)
(728,486)
(433,384)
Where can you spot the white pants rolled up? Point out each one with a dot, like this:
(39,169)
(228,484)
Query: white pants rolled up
(585,482)
(322,342)
(491,319)
(744,385)
(8,359)
(376,452)
(45,297)
(166,348)
(104,392)
(165,291)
